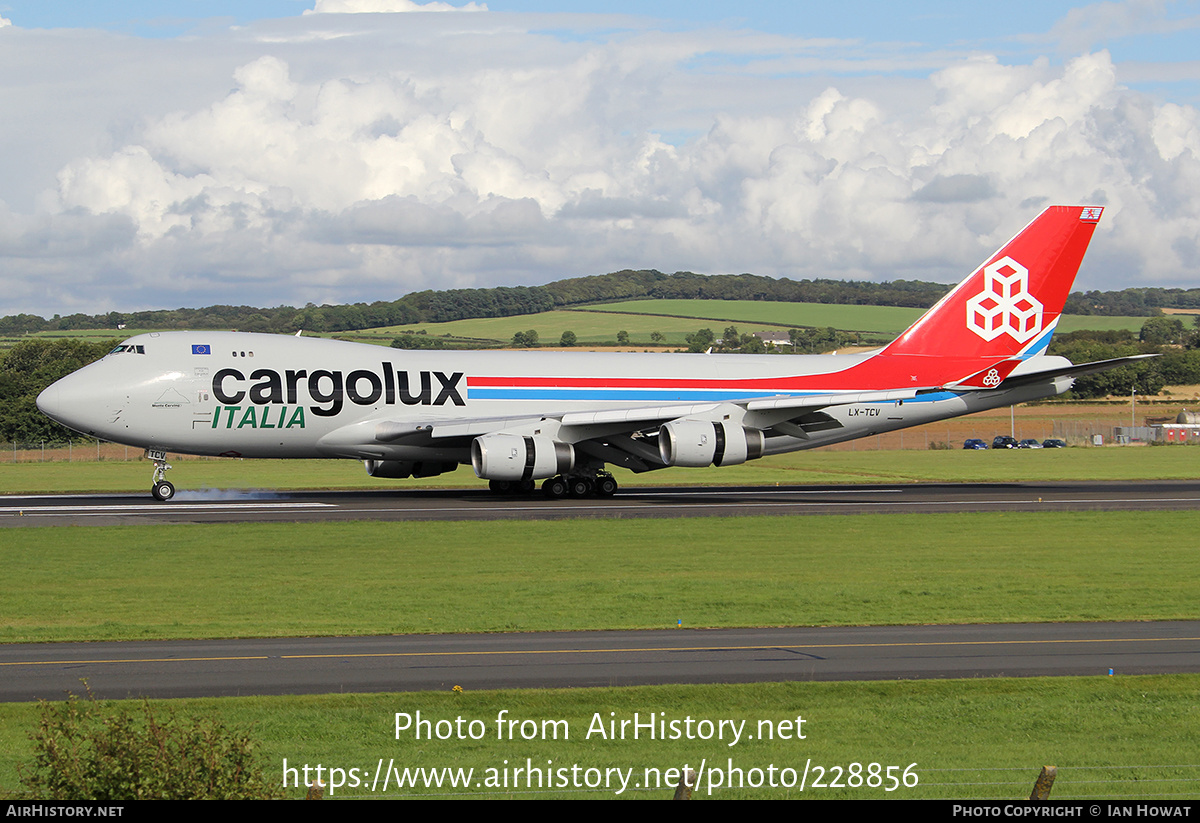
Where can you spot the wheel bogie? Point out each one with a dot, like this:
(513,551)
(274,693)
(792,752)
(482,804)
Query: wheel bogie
(578,486)
(555,487)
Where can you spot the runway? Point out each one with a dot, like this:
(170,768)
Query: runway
(576,659)
(241,506)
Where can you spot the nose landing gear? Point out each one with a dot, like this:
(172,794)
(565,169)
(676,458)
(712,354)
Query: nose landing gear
(161,489)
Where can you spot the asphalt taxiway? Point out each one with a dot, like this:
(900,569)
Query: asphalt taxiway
(324,665)
(240,506)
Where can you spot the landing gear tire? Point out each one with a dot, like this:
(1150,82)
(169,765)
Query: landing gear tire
(555,488)
(581,486)
(500,486)
(606,486)
(163,490)
(160,489)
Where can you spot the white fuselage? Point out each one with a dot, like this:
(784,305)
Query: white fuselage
(256,395)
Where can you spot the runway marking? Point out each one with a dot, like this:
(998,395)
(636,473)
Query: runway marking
(504,652)
(765,647)
(156,508)
(616,507)
(641,502)
(649,493)
(133,660)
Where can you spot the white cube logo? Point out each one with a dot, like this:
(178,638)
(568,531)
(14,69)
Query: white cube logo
(1005,304)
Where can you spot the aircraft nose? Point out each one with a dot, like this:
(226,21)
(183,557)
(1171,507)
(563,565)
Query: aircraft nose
(49,402)
(72,401)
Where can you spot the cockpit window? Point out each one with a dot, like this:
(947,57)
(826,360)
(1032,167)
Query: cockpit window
(125,348)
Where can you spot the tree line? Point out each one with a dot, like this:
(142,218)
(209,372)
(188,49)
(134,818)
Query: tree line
(509,301)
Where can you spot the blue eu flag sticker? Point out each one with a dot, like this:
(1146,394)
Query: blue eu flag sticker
(200,348)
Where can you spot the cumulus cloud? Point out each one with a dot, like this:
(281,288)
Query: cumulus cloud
(400,156)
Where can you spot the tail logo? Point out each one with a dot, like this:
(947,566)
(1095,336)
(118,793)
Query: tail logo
(1005,304)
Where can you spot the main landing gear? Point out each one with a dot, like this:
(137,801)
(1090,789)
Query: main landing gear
(580,485)
(602,484)
(161,489)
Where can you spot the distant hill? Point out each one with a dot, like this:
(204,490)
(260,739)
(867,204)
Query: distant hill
(505,301)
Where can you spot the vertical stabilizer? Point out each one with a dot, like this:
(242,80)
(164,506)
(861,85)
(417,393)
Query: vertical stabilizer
(1009,306)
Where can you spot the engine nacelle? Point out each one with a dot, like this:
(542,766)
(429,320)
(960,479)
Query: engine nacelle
(705,443)
(518,457)
(399,469)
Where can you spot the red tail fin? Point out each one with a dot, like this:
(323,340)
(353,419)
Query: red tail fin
(1009,306)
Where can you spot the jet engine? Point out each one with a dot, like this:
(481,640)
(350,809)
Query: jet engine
(518,457)
(699,443)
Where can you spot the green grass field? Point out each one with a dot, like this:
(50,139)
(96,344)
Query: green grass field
(817,466)
(1132,738)
(253,580)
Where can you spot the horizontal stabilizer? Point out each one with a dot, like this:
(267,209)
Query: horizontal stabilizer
(1072,370)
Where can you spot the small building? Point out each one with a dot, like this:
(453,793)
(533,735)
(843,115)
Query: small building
(1185,429)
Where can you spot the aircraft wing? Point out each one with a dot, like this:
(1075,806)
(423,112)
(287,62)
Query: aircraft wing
(635,417)
(575,427)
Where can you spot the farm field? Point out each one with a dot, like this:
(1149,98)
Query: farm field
(589,328)
(875,319)
(675,319)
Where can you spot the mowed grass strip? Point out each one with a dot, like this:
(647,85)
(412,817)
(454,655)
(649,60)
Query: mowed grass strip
(255,580)
(195,478)
(969,739)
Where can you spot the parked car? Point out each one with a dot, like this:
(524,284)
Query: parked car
(974,443)
(1003,441)
(1029,444)
(1053,444)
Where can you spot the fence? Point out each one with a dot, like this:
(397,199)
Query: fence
(74,452)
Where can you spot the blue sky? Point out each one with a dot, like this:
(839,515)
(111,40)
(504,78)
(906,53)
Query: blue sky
(1011,26)
(185,152)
